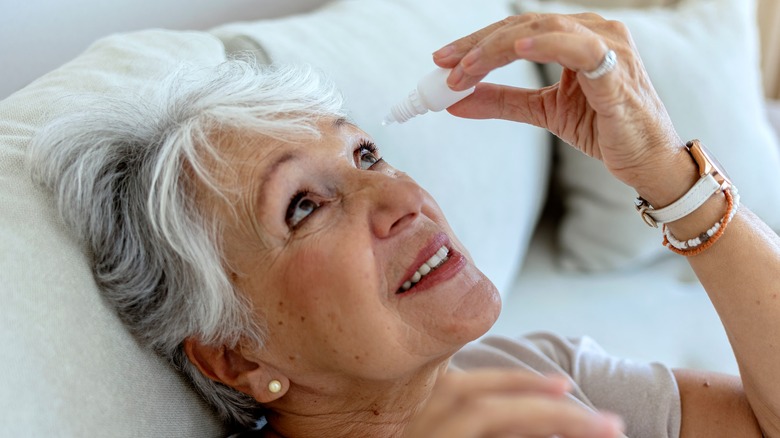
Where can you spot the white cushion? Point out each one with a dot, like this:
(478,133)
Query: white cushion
(69,366)
(488,176)
(702,56)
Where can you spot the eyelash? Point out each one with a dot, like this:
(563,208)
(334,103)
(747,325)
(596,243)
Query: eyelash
(369,146)
(300,195)
(294,203)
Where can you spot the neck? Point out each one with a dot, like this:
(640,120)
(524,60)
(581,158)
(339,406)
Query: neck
(363,408)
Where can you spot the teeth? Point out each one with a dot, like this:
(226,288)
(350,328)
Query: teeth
(431,264)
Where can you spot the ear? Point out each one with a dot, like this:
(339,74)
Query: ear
(234,369)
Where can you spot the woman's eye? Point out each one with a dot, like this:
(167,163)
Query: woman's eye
(301,206)
(368,155)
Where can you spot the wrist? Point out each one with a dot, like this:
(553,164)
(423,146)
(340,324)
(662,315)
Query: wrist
(669,181)
(710,212)
(689,191)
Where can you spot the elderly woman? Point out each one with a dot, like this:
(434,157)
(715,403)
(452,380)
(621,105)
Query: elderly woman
(246,230)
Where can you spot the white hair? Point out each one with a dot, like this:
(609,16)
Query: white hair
(125,174)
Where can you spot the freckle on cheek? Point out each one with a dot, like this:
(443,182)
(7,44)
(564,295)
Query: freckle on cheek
(303,318)
(281,323)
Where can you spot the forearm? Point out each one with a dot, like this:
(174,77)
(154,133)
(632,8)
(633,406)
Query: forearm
(741,272)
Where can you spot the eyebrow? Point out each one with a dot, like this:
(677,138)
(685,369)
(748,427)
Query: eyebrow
(269,175)
(273,169)
(342,121)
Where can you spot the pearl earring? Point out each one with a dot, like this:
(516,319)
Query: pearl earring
(274,386)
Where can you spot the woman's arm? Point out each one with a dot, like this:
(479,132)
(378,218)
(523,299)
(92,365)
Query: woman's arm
(741,273)
(714,405)
(619,119)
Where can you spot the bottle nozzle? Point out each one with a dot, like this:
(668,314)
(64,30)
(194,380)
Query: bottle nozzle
(431,94)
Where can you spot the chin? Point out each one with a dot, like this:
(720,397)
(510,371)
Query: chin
(476,312)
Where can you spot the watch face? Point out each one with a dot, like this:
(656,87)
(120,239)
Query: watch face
(707,162)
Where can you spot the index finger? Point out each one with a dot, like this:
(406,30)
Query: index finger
(449,55)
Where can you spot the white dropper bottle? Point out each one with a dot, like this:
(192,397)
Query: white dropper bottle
(432,94)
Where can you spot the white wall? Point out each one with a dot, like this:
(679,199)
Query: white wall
(36,36)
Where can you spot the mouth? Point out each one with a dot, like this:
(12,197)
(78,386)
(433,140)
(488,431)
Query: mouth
(436,262)
(426,268)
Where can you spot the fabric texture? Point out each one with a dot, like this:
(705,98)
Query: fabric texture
(69,366)
(488,176)
(702,56)
(644,395)
(769,24)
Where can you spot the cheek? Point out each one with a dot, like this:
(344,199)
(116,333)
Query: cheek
(330,289)
(340,270)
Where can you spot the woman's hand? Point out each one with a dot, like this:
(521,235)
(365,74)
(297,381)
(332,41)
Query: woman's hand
(617,118)
(500,403)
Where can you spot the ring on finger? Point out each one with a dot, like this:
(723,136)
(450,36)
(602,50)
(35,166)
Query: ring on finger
(607,65)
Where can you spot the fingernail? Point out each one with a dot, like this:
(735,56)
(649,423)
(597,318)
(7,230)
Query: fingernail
(471,57)
(455,77)
(523,45)
(444,52)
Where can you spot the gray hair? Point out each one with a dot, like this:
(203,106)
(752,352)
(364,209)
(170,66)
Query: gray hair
(125,174)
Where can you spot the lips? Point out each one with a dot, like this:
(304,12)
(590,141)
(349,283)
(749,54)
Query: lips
(427,267)
(435,263)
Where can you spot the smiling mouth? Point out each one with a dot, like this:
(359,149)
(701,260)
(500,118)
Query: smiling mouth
(430,265)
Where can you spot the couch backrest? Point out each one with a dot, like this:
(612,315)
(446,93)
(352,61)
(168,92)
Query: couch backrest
(69,366)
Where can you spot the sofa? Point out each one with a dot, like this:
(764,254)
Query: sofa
(557,236)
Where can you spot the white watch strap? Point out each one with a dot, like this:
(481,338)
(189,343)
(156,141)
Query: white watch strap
(704,188)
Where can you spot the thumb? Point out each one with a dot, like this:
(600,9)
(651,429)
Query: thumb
(493,101)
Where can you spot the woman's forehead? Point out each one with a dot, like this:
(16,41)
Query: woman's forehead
(250,158)
(241,145)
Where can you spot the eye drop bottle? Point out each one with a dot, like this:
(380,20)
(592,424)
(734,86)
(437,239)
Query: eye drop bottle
(431,94)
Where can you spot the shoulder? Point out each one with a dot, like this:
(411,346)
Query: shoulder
(645,395)
(543,351)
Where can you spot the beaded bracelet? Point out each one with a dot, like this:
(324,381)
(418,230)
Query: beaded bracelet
(705,240)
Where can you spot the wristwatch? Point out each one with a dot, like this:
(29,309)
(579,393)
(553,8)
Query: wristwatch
(712,179)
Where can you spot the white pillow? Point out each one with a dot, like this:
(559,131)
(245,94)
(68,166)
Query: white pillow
(488,176)
(70,368)
(702,57)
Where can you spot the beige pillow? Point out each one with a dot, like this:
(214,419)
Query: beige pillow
(702,56)
(69,366)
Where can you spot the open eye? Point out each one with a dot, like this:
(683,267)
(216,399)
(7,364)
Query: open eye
(301,206)
(367,154)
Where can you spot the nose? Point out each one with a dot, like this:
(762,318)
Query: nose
(394,203)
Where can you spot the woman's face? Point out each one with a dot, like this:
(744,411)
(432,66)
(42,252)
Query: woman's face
(326,236)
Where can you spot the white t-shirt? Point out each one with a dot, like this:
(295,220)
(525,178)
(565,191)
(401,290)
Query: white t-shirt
(644,395)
